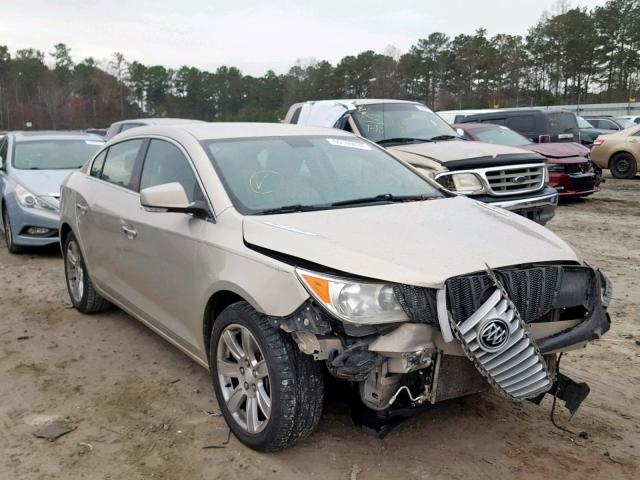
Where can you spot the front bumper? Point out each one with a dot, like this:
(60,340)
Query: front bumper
(22,218)
(539,206)
(575,184)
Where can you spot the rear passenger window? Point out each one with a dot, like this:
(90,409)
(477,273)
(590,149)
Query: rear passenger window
(4,149)
(522,123)
(165,163)
(120,161)
(98,163)
(128,126)
(496,121)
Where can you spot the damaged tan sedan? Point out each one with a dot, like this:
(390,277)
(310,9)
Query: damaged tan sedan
(279,255)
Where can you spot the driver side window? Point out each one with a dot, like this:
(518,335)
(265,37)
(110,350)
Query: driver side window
(165,163)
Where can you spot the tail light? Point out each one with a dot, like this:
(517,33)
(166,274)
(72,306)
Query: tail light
(544,139)
(598,141)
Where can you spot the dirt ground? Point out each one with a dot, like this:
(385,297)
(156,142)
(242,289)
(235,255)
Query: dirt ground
(138,405)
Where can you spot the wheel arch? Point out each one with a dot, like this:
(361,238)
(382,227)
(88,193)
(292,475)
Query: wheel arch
(65,230)
(215,305)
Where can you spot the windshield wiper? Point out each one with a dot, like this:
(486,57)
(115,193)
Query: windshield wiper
(385,197)
(291,209)
(443,137)
(402,140)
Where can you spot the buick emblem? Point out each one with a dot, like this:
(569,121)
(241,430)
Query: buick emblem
(493,335)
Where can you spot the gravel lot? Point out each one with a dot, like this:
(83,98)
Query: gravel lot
(138,404)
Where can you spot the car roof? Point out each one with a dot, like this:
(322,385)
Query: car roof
(223,130)
(476,125)
(159,121)
(31,135)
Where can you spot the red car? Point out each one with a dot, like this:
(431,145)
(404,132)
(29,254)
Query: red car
(570,170)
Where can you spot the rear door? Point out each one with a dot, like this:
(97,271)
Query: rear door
(161,270)
(100,204)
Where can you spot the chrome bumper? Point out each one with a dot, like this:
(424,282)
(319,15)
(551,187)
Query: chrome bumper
(546,200)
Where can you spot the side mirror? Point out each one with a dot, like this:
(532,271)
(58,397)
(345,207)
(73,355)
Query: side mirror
(1,163)
(171,197)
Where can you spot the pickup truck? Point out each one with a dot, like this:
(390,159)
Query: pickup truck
(507,177)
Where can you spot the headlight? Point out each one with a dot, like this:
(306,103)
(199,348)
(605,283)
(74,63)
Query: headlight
(29,200)
(464,183)
(545,176)
(25,197)
(351,301)
(555,167)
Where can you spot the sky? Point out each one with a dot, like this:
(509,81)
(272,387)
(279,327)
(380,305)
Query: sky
(252,35)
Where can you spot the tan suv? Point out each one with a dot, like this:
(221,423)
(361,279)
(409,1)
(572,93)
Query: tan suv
(273,254)
(619,152)
(502,176)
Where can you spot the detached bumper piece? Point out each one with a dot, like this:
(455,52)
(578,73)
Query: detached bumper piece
(536,292)
(567,390)
(494,337)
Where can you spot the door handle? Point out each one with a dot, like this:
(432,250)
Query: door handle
(129,232)
(82,207)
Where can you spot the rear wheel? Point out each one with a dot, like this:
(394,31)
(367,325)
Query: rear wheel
(623,165)
(81,290)
(8,234)
(270,393)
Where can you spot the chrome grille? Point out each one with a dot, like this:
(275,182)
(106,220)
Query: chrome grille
(517,368)
(516,179)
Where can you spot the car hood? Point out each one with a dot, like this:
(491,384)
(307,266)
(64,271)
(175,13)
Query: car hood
(453,150)
(42,182)
(416,243)
(559,150)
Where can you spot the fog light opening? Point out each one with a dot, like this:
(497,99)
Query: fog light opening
(38,231)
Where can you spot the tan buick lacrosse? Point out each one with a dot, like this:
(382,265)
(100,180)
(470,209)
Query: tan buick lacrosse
(278,256)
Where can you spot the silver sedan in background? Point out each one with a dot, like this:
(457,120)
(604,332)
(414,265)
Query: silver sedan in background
(33,165)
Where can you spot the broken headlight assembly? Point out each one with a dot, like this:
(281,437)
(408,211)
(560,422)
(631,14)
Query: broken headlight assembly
(464,183)
(353,301)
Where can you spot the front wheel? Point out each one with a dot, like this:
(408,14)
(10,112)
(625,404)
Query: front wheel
(81,290)
(8,234)
(270,393)
(623,165)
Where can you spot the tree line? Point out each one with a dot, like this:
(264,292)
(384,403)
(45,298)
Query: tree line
(572,56)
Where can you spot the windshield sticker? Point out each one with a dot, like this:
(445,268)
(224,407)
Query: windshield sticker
(93,142)
(264,182)
(290,229)
(348,143)
(422,108)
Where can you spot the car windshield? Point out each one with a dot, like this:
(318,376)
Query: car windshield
(625,122)
(54,154)
(582,123)
(398,122)
(298,173)
(501,136)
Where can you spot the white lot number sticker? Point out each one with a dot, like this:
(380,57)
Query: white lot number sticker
(348,143)
(91,142)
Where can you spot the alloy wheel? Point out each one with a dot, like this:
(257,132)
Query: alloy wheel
(7,230)
(244,378)
(75,271)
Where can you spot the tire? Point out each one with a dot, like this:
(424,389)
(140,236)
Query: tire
(8,234)
(623,165)
(294,381)
(81,291)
